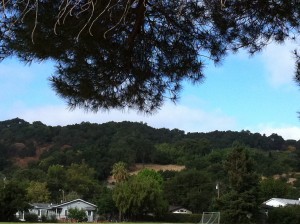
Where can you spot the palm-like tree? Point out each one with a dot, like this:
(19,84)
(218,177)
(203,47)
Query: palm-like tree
(120,172)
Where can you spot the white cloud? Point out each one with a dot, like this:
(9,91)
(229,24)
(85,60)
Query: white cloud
(170,116)
(286,131)
(279,63)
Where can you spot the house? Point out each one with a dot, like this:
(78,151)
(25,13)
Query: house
(60,211)
(179,210)
(281,202)
(40,209)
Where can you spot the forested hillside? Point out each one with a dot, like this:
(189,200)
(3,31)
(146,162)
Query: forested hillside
(102,145)
(78,159)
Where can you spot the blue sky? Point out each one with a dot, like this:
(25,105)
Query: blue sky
(243,93)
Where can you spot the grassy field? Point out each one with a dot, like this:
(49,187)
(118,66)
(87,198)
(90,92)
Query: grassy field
(87,223)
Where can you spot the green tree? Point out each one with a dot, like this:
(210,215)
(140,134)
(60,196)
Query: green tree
(120,172)
(276,142)
(71,196)
(285,215)
(149,197)
(76,214)
(105,203)
(215,160)
(121,150)
(272,188)
(121,196)
(193,147)
(12,200)
(167,154)
(190,188)
(56,181)
(117,54)
(4,162)
(240,203)
(81,179)
(38,192)
(30,174)
(151,174)
(140,194)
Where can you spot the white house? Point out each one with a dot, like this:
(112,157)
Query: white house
(40,209)
(60,211)
(281,202)
(179,210)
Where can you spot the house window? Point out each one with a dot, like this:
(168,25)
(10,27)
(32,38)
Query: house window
(39,212)
(89,213)
(66,212)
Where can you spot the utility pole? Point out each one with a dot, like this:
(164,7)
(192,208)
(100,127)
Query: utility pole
(63,195)
(218,189)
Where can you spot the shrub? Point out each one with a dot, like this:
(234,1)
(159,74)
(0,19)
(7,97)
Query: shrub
(51,219)
(285,215)
(77,214)
(30,217)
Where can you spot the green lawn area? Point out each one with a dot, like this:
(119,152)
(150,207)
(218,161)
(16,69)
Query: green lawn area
(89,222)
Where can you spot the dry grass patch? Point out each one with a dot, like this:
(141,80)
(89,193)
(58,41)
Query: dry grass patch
(157,167)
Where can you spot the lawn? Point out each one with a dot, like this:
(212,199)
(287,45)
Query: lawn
(86,223)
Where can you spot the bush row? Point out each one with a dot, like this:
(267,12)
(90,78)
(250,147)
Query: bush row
(284,215)
(173,218)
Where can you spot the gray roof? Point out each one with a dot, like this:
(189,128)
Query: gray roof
(76,200)
(89,206)
(42,205)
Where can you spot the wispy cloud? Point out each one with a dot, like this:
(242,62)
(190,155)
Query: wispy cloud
(279,64)
(286,131)
(170,116)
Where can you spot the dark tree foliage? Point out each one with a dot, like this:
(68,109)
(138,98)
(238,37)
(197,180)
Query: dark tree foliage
(223,139)
(136,53)
(285,215)
(4,163)
(105,203)
(12,200)
(240,203)
(102,145)
(192,189)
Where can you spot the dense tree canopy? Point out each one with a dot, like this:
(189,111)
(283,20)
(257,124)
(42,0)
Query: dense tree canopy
(12,200)
(141,194)
(38,192)
(192,189)
(275,188)
(136,53)
(240,203)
